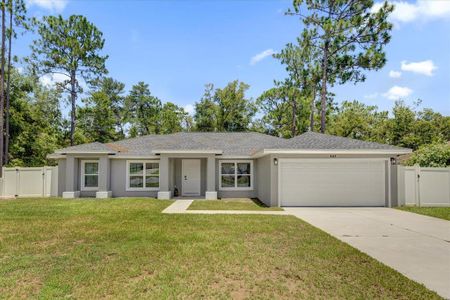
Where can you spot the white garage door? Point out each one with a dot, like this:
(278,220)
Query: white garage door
(332,182)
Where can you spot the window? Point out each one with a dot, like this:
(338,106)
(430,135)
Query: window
(89,175)
(142,175)
(236,175)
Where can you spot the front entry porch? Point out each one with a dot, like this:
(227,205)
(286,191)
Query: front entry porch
(187,176)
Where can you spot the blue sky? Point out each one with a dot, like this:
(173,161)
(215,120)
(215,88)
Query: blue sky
(179,46)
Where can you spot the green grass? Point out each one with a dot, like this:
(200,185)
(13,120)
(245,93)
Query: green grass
(125,248)
(231,204)
(437,212)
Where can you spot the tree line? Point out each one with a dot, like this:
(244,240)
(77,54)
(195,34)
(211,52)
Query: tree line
(340,40)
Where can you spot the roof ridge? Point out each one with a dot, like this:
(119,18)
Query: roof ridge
(343,138)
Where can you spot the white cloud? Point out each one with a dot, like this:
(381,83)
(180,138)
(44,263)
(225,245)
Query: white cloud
(396,92)
(49,80)
(420,10)
(425,67)
(395,74)
(51,5)
(260,56)
(372,96)
(189,109)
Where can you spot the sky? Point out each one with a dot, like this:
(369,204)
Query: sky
(178,46)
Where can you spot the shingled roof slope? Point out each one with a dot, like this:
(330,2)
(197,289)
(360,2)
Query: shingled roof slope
(95,147)
(231,143)
(320,141)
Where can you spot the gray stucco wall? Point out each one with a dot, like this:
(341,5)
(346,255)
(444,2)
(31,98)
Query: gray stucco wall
(237,194)
(394,186)
(263,180)
(61,176)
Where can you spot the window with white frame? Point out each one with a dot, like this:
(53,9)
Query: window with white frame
(236,175)
(142,175)
(89,175)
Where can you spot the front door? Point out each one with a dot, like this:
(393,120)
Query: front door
(190,177)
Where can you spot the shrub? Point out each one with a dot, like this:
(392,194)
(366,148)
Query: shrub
(433,155)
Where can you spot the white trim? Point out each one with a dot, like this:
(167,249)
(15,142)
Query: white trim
(84,152)
(135,157)
(55,156)
(388,166)
(187,151)
(82,185)
(332,151)
(278,181)
(235,188)
(199,176)
(245,157)
(331,158)
(135,189)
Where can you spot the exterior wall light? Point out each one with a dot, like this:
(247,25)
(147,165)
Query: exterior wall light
(275,161)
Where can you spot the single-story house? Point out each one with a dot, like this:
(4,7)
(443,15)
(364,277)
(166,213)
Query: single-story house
(311,169)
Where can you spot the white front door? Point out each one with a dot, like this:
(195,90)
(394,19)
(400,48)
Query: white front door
(190,177)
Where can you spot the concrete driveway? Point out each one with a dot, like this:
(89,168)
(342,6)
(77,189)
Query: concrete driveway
(417,246)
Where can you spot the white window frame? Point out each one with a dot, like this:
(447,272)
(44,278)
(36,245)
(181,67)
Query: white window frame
(82,186)
(137,189)
(235,188)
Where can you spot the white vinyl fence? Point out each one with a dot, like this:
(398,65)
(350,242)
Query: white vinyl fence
(423,186)
(29,182)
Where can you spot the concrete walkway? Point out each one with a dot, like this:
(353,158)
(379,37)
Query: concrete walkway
(415,245)
(178,207)
(181,207)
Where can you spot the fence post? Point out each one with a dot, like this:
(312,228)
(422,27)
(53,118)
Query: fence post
(16,193)
(43,181)
(417,167)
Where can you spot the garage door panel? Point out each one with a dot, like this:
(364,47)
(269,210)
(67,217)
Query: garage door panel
(319,182)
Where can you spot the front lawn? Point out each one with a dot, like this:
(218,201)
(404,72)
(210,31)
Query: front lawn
(230,204)
(437,212)
(125,248)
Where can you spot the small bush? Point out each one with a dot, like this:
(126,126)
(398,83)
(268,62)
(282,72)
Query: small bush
(433,155)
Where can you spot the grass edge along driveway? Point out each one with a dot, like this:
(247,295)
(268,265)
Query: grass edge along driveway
(437,212)
(126,248)
(231,204)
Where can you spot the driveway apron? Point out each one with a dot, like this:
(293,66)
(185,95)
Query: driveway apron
(415,245)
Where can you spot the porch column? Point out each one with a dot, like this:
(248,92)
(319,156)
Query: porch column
(164,192)
(104,175)
(72,174)
(211,193)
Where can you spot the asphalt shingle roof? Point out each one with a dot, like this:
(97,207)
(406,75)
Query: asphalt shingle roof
(231,143)
(91,147)
(320,141)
